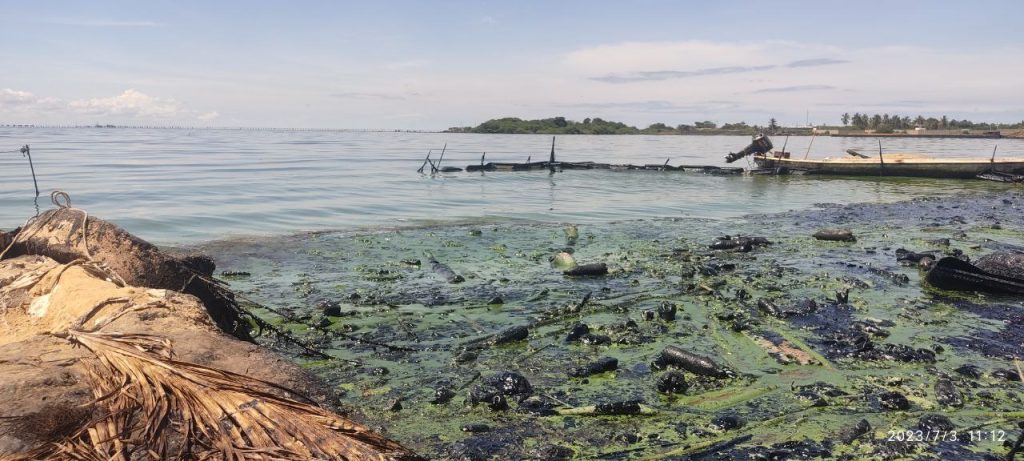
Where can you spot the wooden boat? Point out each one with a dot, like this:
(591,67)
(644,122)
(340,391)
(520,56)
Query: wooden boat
(893,164)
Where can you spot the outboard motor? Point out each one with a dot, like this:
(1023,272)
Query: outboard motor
(760,145)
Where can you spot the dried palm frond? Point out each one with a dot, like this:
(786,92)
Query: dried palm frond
(154,407)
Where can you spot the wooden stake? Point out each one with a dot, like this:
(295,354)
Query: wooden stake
(438,167)
(424,162)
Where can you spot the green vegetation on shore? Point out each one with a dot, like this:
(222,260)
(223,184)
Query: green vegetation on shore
(878,123)
(560,125)
(885,123)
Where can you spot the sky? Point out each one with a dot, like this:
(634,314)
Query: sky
(430,65)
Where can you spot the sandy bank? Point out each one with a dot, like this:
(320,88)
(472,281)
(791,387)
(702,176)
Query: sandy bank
(92,367)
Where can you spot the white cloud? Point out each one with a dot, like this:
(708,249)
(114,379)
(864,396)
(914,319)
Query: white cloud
(689,55)
(23,100)
(671,82)
(788,78)
(130,103)
(9,97)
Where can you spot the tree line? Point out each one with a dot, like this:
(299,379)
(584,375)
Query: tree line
(596,125)
(882,123)
(888,123)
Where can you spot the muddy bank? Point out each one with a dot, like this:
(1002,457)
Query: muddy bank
(93,367)
(798,348)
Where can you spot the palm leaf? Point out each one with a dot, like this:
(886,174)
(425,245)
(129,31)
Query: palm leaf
(154,407)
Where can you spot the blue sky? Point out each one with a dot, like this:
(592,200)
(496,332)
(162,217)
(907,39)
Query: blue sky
(431,65)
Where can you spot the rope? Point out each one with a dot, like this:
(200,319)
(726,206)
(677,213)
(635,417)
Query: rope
(18,236)
(62,200)
(58,196)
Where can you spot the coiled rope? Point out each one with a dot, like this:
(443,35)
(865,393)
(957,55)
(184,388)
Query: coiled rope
(62,200)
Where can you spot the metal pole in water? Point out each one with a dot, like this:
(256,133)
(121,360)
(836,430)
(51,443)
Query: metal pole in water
(438,167)
(425,162)
(813,134)
(551,162)
(25,151)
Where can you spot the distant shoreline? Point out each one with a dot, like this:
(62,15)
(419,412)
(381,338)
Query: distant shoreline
(795,131)
(882,127)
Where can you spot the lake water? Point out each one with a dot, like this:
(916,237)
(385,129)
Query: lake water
(181,186)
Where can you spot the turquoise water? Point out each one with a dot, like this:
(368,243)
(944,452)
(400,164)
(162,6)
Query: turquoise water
(179,186)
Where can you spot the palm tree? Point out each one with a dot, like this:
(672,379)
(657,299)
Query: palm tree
(846,119)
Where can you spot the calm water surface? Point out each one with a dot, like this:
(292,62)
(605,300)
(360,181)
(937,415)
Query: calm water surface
(174,186)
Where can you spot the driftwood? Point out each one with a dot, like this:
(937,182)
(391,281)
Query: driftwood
(953,274)
(745,243)
(68,234)
(602,365)
(696,364)
(629,407)
(835,235)
(592,269)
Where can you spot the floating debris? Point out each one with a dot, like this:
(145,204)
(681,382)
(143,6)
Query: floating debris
(512,334)
(602,365)
(950,273)
(810,361)
(835,235)
(672,382)
(563,260)
(592,269)
(445,272)
(696,364)
(629,407)
(740,243)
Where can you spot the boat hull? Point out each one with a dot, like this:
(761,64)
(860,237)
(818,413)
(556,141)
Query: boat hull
(916,167)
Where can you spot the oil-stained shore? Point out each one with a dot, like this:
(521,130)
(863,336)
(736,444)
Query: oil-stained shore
(798,373)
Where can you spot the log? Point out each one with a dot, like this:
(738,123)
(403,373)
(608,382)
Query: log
(592,269)
(696,364)
(835,235)
(602,365)
(67,234)
(953,274)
